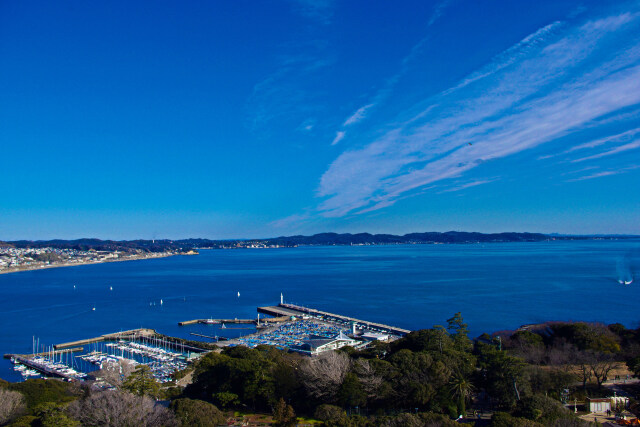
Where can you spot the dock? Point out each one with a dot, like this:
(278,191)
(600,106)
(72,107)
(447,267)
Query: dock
(208,336)
(217,321)
(42,369)
(256,322)
(130,334)
(288,310)
(46,353)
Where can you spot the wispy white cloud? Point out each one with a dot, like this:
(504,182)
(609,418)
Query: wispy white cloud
(604,173)
(358,115)
(620,149)
(339,136)
(387,88)
(281,96)
(510,56)
(287,222)
(468,185)
(621,137)
(318,10)
(559,79)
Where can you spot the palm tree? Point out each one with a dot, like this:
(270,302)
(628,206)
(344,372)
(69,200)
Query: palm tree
(461,389)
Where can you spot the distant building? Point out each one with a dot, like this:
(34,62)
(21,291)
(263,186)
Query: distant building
(598,404)
(316,345)
(374,336)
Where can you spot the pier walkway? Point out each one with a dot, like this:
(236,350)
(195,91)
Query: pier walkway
(284,309)
(257,322)
(130,334)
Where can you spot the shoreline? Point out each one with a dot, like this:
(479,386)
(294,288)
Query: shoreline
(131,258)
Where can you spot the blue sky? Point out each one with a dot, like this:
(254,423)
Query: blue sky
(256,119)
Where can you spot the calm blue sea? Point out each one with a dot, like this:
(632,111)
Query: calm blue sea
(495,286)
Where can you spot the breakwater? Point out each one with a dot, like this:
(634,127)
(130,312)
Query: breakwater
(284,309)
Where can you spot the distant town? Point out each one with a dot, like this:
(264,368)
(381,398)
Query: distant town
(21,259)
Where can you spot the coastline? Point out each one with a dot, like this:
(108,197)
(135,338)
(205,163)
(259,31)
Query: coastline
(131,258)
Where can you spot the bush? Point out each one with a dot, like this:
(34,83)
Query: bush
(39,391)
(541,408)
(329,413)
(197,413)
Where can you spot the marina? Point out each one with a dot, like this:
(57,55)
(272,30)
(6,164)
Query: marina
(163,355)
(292,328)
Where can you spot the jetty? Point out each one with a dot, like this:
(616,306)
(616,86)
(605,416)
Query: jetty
(292,310)
(210,337)
(256,322)
(45,353)
(45,370)
(130,334)
(218,321)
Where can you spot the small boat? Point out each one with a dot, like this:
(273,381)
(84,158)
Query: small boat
(628,282)
(160,302)
(238,294)
(93,309)
(110,288)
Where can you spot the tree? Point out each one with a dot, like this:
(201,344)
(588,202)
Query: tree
(583,360)
(284,414)
(461,389)
(197,413)
(368,378)
(634,365)
(350,392)
(115,372)
(501,373)
(542,409)
(12,404)
(323,376)
(141,382)
(460,331)
(115,409)
(226,399)
(53,415)
(601,364)
(38,391)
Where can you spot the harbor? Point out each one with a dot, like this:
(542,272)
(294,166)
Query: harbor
(288,327)
(284,309)
(67,361)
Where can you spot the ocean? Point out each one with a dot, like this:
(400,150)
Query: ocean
(496,286)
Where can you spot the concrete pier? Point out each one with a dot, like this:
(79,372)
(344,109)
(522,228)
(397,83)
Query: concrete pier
(133,333)
(46,353)
(289,310)
(217,321)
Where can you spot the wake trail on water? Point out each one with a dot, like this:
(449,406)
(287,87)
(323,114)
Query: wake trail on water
(624,270)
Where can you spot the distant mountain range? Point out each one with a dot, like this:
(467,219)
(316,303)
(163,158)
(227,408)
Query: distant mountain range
(322,239)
